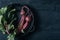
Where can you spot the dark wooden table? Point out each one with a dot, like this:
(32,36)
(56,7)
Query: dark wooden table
(47,18)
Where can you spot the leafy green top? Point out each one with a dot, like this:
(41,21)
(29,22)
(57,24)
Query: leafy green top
(2,18)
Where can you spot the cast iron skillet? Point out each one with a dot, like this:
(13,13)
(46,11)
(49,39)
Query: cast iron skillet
(18,16)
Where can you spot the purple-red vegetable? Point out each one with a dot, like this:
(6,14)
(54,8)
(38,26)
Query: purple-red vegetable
(24,22)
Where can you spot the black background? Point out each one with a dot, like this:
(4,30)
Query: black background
(47,18)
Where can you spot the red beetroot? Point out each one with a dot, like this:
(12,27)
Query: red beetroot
(27,22)
(21,23)
(24,22)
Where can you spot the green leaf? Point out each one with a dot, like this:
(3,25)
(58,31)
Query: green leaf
(9,13)
(13,10)
(0,18)
(3,10)
(10,37)
(2,29)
